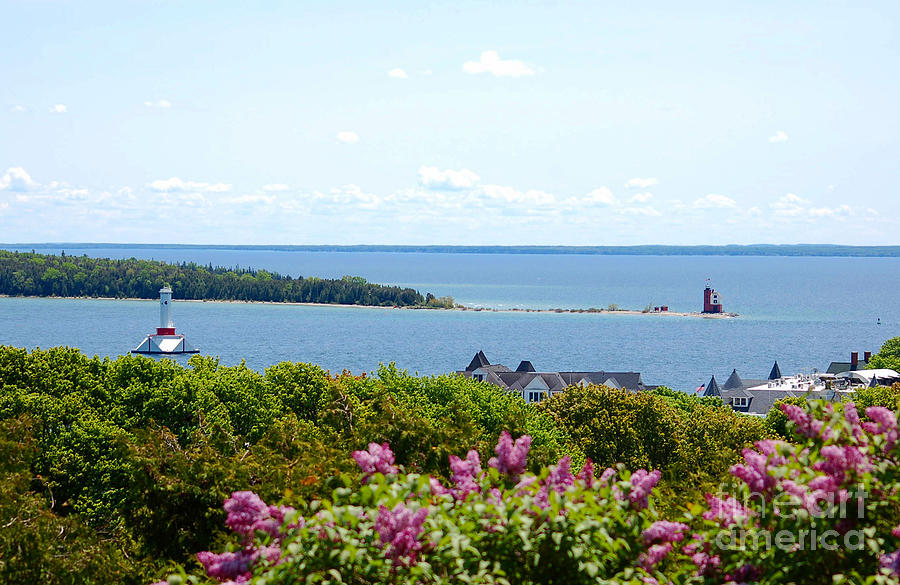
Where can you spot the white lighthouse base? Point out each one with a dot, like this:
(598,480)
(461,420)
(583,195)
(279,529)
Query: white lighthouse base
(164,344)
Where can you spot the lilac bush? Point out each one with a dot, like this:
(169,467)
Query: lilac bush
(823,509)
(817,510)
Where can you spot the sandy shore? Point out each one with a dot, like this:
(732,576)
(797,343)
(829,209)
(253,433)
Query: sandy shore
(460,308)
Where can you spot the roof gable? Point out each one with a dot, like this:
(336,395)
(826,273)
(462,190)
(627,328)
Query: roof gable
(776,372)
(537,383)
(525,366)
(733,381)
(712,389)
(479,361)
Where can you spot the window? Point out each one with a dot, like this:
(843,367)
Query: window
(479,377)
(535,396)
(741,402)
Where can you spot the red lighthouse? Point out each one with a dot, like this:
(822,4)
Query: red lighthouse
(712,300)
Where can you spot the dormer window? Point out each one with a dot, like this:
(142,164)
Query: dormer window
(741,402)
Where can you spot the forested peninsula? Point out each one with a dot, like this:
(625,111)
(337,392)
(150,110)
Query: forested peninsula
(31,274)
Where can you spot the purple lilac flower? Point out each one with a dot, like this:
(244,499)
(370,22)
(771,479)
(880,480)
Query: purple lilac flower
(663,531)
(247,514)
(525,482)
(465,472)
(706,563)
(642,483)
(560,476)
(755,469)
(378,459)
(654,555)
(814,496)
(227,565)
(885,424)
(842,459)
(891,562)
(607,475)
(511,457)
(586,475)
(806,425)
(542,498)
(437,488)
(745,574)
(399,530)
(852,417)
(273,523)
(726,511)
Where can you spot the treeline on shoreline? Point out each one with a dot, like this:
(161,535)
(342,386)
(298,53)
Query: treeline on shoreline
(32,274)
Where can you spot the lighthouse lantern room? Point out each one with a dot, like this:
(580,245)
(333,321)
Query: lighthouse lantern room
(165,340)
(712,300)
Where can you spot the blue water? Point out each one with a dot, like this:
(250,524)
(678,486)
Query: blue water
(804,312)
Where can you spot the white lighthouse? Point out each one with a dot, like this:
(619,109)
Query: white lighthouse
(165,340)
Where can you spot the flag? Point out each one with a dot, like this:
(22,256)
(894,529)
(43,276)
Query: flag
(700,389)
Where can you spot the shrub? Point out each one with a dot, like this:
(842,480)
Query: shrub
(494,525)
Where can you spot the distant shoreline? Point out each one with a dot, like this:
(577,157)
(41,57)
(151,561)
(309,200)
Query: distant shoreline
(778,250)
(459,308)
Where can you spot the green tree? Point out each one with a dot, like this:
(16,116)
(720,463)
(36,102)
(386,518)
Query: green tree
(888,357)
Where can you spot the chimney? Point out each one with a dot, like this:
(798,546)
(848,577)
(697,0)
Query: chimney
(867,356)
(854,360)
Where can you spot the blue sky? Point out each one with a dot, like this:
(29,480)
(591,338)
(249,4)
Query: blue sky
(570,123)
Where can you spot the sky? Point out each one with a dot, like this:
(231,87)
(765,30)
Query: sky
(472,123)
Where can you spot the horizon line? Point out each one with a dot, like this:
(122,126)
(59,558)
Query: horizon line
(833,250)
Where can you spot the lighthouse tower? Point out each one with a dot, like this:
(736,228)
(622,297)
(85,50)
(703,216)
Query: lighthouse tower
(712,300)
(166,327)
(165,340)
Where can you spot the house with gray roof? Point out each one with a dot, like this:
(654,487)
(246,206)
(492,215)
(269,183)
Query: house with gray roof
(534,386)
(852,365)
(756,397)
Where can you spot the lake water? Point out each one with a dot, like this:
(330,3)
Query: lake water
(804,312)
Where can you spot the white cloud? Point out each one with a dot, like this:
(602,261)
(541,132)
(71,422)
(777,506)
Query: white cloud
(18,109)
(59,109)
(251,199)
(642,197)
(789,205)
(715,201)
(638,183)
(504,194)
(176,185)
(841,210)
(449,179)
(276,187)
(490,62)
(17,179)
(398,73)
(159,104)
(340,198)
(347,137)
(427,72)
(795,208)
(645,210)
(779,136)
(601,196)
